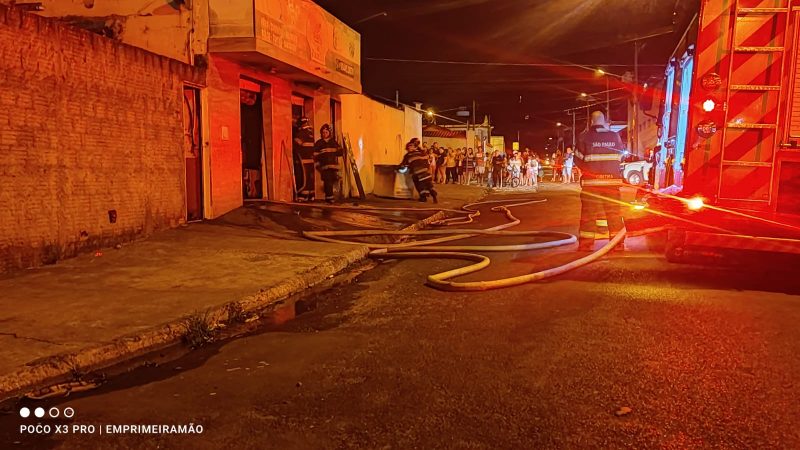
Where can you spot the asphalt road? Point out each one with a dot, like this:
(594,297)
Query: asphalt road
(698,357)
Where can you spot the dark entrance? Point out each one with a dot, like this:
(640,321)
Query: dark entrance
(192,126)
(252,144)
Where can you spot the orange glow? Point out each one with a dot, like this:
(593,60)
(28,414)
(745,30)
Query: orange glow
(695,204)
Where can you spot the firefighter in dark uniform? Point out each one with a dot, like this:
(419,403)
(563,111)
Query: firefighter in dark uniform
(599,155)
(416,160)
(326,156)
(303,156)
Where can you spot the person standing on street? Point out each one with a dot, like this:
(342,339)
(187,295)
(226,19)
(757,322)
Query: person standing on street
(498,168)
(303,154)
(569,160)
(326,157)
(450,165)
(417,162)
(599,154)
(480,166)
(441,165)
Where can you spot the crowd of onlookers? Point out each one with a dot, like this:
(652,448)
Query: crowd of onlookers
(497,168)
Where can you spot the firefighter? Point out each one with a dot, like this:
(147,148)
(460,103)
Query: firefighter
(326,156)
(417,162)
(598,157)
(303,155)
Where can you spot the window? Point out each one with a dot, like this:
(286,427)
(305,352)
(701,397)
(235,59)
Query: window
(687,66)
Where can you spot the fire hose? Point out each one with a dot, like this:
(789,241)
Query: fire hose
(431,248)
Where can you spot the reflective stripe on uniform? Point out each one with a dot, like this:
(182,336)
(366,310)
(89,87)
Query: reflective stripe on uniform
(307,161)
(603,157)
(601,182)
(328,150)
(593,235)
(330,167)
(601,223)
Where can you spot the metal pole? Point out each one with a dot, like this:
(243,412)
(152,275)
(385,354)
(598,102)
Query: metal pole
(397,98)
(474,117)
(635,121)
(574,143)
(608,100)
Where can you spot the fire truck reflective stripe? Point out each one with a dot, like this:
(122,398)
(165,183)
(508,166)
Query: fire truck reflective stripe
(586,234)
(754,87)
(603,157)
(752,125)
(747,164)
(759,49)
(747,11)
(601,223)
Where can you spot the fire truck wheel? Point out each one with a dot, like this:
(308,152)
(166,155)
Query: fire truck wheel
(635,178)
(675,254)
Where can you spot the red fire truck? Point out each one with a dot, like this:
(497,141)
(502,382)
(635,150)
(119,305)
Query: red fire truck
(728,173)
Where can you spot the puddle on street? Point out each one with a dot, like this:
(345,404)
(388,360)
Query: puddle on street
(317,309)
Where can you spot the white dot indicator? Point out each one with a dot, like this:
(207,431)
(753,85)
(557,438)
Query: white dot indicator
(69,412)
(39,412)
(24,412)
(53,412)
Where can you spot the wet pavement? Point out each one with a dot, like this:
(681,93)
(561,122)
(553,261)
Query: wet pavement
(630,352)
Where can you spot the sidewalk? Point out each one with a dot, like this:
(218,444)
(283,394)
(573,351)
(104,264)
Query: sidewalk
(96,310)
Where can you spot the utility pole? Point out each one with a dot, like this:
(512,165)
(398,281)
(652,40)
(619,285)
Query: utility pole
(634,132)
(574,141)
(608,100)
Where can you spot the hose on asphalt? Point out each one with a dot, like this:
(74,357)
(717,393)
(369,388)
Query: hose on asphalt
(430,248)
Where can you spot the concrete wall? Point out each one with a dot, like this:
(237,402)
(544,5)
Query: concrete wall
(89,126)
(175,30)
(378,133)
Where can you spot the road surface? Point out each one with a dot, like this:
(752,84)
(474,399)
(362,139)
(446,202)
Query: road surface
(630,352)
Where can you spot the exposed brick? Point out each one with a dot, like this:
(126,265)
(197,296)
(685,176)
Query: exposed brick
(87,125)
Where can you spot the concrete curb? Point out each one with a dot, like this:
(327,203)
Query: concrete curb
(64,366)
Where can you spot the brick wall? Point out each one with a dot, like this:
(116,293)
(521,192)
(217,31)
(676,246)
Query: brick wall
(87,126)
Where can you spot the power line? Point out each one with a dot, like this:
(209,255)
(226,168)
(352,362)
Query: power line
(489,63)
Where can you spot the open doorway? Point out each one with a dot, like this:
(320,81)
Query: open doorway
(192,151)
(252,121)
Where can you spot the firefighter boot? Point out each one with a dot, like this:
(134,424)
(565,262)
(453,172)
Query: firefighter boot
(435,196)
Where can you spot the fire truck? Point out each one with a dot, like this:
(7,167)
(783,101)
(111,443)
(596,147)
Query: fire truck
(728,169)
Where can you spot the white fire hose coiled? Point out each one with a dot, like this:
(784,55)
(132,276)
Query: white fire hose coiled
(430,248)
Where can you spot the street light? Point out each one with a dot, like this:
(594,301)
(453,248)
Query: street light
(602,73)
(584,94)
(558,124)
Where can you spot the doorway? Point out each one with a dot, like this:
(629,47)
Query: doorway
(252,119)
(192,150)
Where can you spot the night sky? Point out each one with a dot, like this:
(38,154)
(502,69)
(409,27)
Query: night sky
(593,33)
